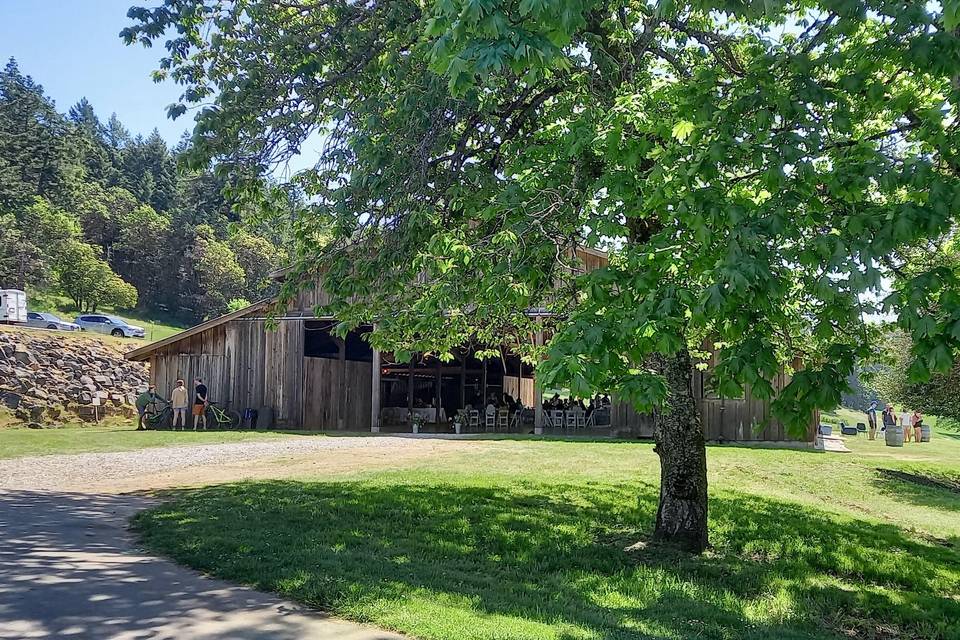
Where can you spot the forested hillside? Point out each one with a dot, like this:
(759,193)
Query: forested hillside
(109,220)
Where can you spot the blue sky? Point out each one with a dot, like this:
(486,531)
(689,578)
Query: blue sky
(72,48)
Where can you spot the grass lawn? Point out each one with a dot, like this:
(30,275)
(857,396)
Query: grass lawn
(538,539)
(19,442)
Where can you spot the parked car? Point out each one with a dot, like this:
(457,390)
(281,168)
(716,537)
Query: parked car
(109,324)
(49,321)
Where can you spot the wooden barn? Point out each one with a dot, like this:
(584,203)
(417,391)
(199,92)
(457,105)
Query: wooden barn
(308,378)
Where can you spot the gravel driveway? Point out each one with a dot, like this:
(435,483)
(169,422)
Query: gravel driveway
(69,567)
(98,470)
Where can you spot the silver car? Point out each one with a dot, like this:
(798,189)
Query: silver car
(112,325)
(49,321)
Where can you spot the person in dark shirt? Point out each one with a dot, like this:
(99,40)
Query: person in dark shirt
(872,419)
(200,403)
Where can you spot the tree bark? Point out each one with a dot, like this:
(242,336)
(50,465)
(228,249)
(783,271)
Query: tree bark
(682,512)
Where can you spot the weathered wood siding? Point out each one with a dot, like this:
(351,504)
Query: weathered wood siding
(746,419)
(245,364)
(203,355)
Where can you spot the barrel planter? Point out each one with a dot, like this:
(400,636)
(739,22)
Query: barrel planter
(894,436)
(924,433)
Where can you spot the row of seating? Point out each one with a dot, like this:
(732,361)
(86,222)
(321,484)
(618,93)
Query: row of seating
(505,420)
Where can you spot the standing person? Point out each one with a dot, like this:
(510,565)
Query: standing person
(907,424)
(180,400)
(144,400)
(917,421)
(889,417)
(199,404)
(872,419)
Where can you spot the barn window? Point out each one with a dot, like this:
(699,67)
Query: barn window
(358,349)
(317,341)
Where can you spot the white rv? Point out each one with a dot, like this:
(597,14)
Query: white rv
(13,306)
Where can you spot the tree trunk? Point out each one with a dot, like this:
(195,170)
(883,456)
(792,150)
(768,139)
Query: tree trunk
(682,513)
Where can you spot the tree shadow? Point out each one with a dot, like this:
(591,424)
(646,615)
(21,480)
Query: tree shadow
(68,569)
(916,488)
(561,556)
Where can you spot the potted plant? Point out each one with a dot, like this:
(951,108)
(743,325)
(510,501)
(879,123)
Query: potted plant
(416,420)
(458,421)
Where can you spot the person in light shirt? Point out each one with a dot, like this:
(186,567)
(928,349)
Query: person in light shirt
(906,421)
(179,401)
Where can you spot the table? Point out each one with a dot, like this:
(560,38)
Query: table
(399,414)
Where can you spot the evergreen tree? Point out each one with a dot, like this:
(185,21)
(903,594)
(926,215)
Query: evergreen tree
(34,148)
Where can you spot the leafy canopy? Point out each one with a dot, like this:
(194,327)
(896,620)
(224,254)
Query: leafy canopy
(756,170)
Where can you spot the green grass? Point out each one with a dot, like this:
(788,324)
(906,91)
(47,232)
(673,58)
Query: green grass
(156,326)
(536,539)
(19,442)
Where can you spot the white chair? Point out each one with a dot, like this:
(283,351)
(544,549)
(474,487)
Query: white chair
(516,420)
(473,419)
(580,421)
(591,420)
(571,420)
(491,421)
(503,419)
(556,419)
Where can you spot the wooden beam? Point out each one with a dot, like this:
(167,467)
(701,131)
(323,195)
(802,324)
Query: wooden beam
(437,386)
(410,391)
(375,393)
(463,380)
(483,386)
(341,383)
(537,392)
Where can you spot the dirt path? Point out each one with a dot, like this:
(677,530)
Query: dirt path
(69,567)
(164,467)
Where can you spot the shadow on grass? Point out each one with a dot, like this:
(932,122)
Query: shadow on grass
(925,487)
(537,561)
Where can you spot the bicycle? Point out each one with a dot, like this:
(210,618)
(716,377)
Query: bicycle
(153,419)
(222,418)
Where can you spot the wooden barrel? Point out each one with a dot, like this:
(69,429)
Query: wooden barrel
(894,436)
(924,433)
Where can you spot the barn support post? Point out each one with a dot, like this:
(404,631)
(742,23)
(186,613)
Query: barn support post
(410,393)
(537,393)
(342,390)
(483,390)
(375,393)
(438,383)
(463,379)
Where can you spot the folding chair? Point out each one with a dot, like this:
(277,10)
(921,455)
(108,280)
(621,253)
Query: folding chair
(491,421)
(571,421)
(556,419)
(516,420)
(580,420)
(473,419)
(503,419)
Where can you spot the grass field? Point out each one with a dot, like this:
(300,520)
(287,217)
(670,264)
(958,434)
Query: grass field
(19,442)
(540,539)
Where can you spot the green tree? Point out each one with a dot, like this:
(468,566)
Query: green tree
(102,211)
(88,280)
(21,260)
(216,278)
(258,257)
(149,171)
(98,163)
(35,152)
(754,168)
(144,256)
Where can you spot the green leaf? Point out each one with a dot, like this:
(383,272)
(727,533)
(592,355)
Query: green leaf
(682,130)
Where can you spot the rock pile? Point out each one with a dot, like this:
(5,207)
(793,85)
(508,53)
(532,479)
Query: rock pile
(45,376)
